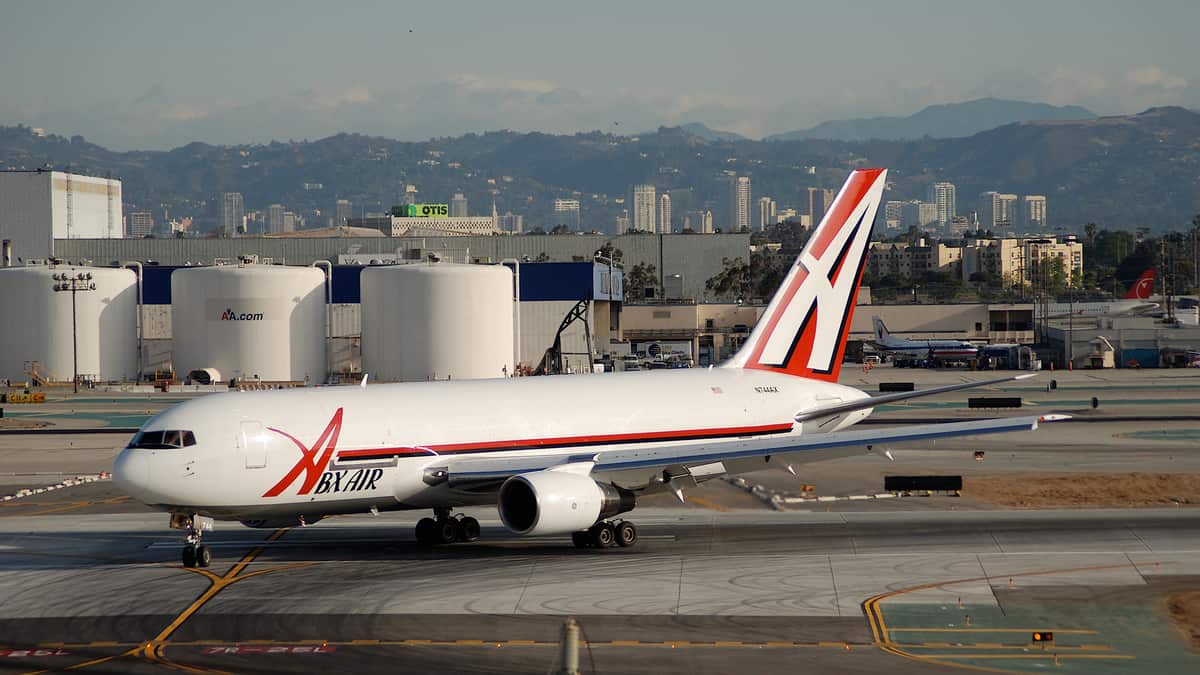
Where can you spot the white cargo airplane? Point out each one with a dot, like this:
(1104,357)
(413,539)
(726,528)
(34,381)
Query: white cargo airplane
(557,455)
(1135,301)
(946,350)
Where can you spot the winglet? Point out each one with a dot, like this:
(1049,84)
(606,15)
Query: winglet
(364,381)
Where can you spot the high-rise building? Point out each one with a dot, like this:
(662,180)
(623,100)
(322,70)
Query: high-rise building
(409,194)
(664,213)
(566,212)
(1033,212)
(918,214)
(766,213)
(818,203)
(233,213)
(944,195)
(141,224)
(893,213)
(739,203)
(623,222)
(342,212)
(510,222)
(706,223)
(644,205)
(458,205)
(289,222)
(997,211)
(275,218)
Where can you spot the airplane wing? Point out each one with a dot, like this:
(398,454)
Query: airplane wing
(485,474)
(873,401)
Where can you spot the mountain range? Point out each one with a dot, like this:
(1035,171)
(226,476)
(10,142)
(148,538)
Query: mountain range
(949,120)
(1123,171)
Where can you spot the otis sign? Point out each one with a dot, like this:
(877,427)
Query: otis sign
(427,211)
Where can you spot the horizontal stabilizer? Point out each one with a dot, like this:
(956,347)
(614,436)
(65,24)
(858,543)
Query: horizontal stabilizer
(871,402)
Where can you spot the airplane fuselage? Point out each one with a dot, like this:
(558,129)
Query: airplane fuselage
(1089,309)
(323,451)
(946,349)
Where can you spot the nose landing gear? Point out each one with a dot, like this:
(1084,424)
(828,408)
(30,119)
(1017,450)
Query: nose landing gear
(195,554)
(444,529)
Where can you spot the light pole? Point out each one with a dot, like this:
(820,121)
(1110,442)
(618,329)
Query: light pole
(64,282)
(1071,329)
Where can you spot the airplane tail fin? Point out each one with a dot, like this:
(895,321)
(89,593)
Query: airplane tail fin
(1143,287)
(803,330)
(881,331)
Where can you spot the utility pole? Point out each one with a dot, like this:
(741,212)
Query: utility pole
(64,282)
(1071,329)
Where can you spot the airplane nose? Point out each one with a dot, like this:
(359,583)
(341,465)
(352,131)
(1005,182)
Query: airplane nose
(131,472)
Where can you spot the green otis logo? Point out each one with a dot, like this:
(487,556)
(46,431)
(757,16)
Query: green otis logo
(230,315)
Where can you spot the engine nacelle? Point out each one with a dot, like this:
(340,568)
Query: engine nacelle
(558,502)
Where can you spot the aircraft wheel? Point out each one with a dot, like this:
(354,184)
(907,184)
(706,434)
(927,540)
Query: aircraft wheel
(468,529)
(446,532)
(603,535)
(626,534)
(203,556)
(426,531)
(581,539)
(189,556)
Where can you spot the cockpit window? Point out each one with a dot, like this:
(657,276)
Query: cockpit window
(163,440)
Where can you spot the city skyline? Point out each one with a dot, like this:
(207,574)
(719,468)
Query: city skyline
(249,90)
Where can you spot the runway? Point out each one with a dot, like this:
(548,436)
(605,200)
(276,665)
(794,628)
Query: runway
(91,581)
(715,591)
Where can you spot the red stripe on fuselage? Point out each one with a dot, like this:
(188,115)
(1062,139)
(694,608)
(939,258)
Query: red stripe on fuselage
(568,441)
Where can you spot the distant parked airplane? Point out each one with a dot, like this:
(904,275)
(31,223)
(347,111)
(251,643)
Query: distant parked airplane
(1134,302)
(946,350)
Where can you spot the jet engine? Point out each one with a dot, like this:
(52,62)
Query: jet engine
(558,502)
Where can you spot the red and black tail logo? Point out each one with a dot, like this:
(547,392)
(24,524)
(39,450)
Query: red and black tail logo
(1143,287)
(312,460)
(804,328)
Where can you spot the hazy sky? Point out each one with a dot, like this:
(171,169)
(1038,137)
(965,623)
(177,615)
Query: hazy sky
(159,74)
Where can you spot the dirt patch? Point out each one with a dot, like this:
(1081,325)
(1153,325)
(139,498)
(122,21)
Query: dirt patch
(1085,490)
(1185,612)
(13,423)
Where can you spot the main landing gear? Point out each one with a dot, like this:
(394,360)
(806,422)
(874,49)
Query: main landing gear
(605,534)
(445,529)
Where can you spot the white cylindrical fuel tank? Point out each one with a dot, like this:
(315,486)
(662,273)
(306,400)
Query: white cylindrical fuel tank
(250,322)
(437,322)
(37,324)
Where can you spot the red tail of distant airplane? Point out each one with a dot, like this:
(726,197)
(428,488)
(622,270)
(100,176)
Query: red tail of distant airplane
(1140,290)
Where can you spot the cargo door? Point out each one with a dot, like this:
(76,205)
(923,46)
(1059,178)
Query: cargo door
(252,443)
